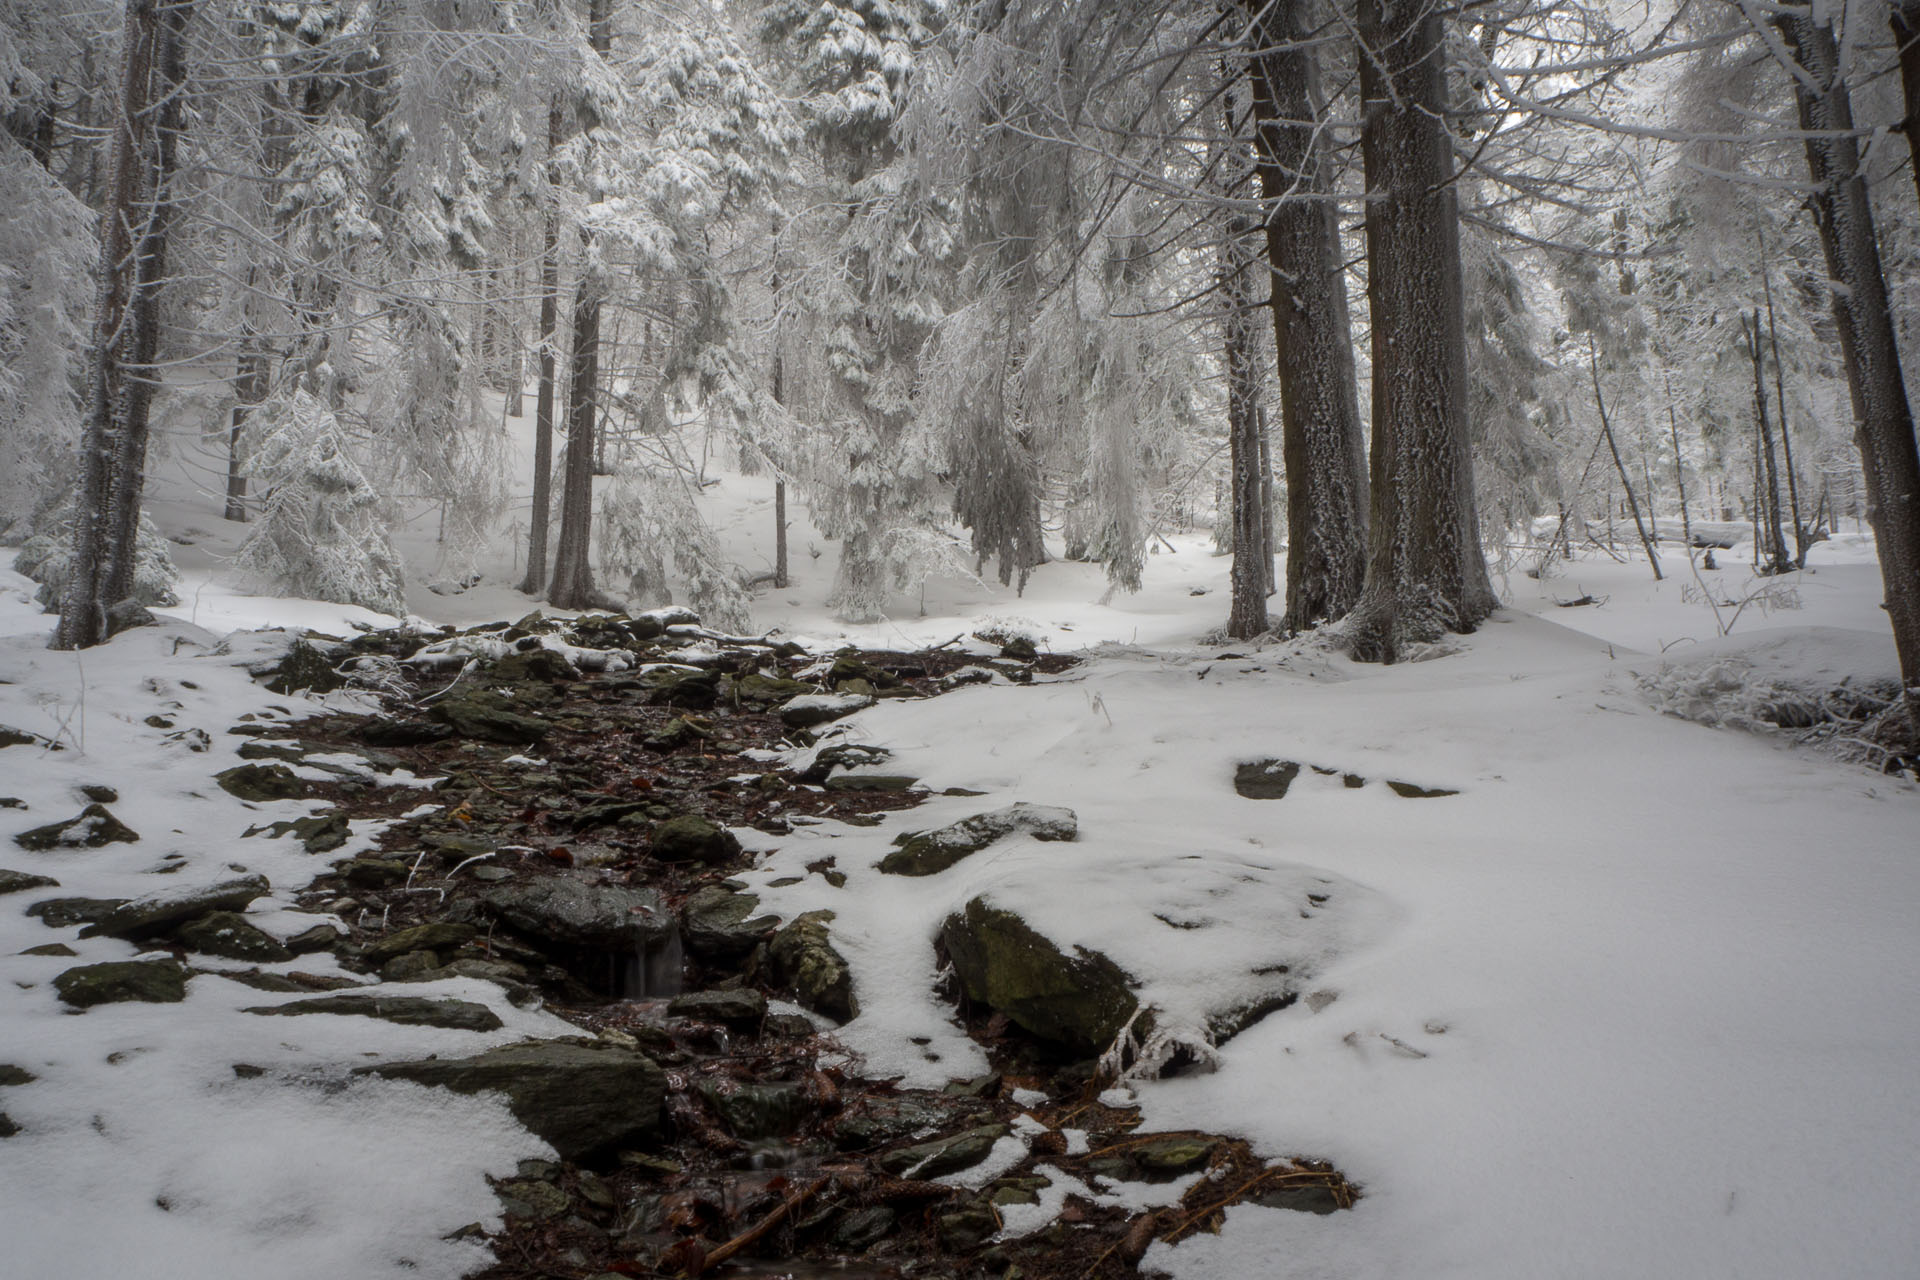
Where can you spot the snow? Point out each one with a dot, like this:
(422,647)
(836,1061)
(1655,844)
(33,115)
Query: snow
(1641,999)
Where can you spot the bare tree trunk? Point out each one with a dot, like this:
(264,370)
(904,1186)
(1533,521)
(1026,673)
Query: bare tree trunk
(1320,438)
(1679,470)
(1426,572)
(1883,417)
(572,586)
(1606,428)
(133,242)
(1267,514)
(249,389)
(1768,474)
(780,534)
(542,515)
(1247,613)
(1786,437)
(1905,17)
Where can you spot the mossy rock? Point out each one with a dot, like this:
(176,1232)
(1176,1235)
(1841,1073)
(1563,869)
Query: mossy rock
(533,666)
(158,912)
(92,828)
(692,839)
(438,936)
(262,782)
(925,853)
(719,923)
(476,713)
(150,981)
(766,691)
(406,1011)
(941,1156)
(230,935)
(804,959)
(1079,1002)
(306,666)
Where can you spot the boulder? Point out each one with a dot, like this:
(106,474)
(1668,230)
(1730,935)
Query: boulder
(687,687)
(159,912)
(16,881)
(58,913)
(439,936)
(477,713)
(307,666)
(231,936)
(91,828)
(818,708)
(406,1011)
(804,960)
(1079,1002)
(581,1096)
(756,1111)
(152,981)
(743,1007)
(567,910)
(1265,779)
(945,1155)
(718,923)
(691,839)
(925,853)
(262,782)
(765,691)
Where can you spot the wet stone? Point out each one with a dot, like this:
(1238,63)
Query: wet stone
(741,1008)
(943,1155)
(1170,1156)
(529,1198)
(863,1228)
(692,839)
(967,1228)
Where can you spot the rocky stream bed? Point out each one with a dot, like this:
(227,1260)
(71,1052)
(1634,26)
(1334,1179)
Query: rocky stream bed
(596,777)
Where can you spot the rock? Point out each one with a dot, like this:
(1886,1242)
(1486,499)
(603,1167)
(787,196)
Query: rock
(881,782)
(582,1097)
(530,1198)
(407,1011)
(413,966)
(1265,779)
(261,749)
(741,1008)
(967,1228)
(691,688)
(1414,791)
(476,713)
(127,614)
(230,935)
(322,937)
(306,666)
(438,936)
(16,881)
(100,794)
(152,981)
(567,910)
(764,691)
(818,708)
(925,853)
(403,733)
(1170,1156)
(878,1121)
(1080,1002)
(12,737)
(91,828)
(540,666)
(7,1127)
(373,873)
(718,923)
(1313,1197)
(262,782)
(756,1111)
(58,913)
(691,839)
(322,833)
(50,949)
(676,733)
(945,1155)
(804,959)
(845,755)
(863,1228)
(159,912)
(12,1075)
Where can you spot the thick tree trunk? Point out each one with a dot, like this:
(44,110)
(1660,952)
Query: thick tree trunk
(1905,17)
(572,573)
(1247,613)
(1800,533)
(133,241)
(1426,573)
(1771,551)
(542,515)
(1883,417)
(1320,439)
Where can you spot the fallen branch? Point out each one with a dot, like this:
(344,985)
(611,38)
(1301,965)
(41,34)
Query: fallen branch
(753,1234)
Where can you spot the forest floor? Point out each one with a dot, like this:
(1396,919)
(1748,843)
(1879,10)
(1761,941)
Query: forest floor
(1556,978)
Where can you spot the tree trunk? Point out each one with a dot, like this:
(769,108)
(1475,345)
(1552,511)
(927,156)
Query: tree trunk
(133,242)
(1320,438)
(1905,17)
(542,516)
(1267,513)
(780,534)
(1426,572)
(1247,614)
(1767,471)
(249,389)
(1613,446)
(1786,437)
(572,574)
(1883,417)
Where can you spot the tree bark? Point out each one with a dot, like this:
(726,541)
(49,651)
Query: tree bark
(1426,572)
(1247,613)
(1905,17)
(1883,417)
(133,242)
(1773,544)
(1786,437)
(249,389)
(1320,438)
(542,515)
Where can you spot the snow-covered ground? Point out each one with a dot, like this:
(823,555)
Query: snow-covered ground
(1643,998)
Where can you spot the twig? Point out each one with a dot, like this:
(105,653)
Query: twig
(760,1228)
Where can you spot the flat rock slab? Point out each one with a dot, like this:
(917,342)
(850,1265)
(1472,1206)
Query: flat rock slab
(407,1011)
(15,881)
(91,828)
(438,936)
(151,981)
(158,912)
(581,1096)
(719,923)
(231,936)
(943,1155)
(818,708)
(926,853)
(568,910)
(742,1008)
(58,913)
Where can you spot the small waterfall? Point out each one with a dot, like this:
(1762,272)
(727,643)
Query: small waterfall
(655,969)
